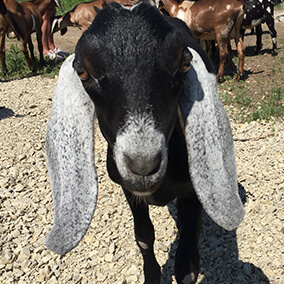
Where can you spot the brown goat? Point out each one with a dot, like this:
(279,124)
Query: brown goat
(24,19)
(219,20)
(83,14)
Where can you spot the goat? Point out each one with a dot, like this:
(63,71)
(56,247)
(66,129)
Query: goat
(83,14)
(218,20)
(257,12)
(24,19)
(154,92)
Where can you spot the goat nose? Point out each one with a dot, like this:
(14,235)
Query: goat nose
(144,165)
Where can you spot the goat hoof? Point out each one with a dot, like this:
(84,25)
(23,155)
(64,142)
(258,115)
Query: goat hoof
(240,76)
(220,79)
(274,53)
(190,277)
(153,282)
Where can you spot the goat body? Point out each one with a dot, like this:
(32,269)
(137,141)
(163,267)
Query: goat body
(82,15)
(24,19)
(218,20)
(257,12)
(154,92)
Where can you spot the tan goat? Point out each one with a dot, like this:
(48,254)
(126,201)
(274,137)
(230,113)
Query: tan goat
(219,20)
(83,14)
(24,19)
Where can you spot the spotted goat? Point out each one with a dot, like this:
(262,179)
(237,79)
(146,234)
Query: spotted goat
(257,12)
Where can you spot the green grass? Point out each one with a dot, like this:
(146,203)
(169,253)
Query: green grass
(18,67)
(68,5)
(273,106)
(246,109)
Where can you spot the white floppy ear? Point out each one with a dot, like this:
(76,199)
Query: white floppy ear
(70,161)
(210,145)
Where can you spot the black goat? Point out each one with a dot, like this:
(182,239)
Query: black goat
(155,95)
(257,12)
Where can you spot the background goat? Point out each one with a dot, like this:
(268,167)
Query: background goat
(218,20)
(155,96)
(257,12)
(83,14)
(24,19)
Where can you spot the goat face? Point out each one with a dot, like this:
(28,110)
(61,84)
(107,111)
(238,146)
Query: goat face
(134,66)
(135,86)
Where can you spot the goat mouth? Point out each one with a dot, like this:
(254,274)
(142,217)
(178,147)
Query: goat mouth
(143,184)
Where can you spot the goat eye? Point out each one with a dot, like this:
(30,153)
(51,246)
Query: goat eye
(185,61)
(84,75)
(184,67)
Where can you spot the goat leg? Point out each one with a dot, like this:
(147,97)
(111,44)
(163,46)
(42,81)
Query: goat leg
(2,52)
(145,237)
(187,261)
(258,38)
(26,53)
(241,55)
(223,55)
(31,48)
(271,25)
(39,44)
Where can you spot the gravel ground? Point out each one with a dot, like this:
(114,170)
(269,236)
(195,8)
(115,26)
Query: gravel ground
(254,253)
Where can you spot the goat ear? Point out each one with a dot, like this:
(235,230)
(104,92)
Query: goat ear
(63,31)
(210,146)
(97,10)
(58,4)
(70,161)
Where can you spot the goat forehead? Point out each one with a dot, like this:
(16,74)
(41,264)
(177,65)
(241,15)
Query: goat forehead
(120,27)
(139,127)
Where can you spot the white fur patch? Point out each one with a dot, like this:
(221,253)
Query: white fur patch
(34,23)
(268,9)
(189,278)
(255,22)
(140,141)
(180,14)
(142,245)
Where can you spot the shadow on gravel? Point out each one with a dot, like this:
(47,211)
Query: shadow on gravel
(219,255)
(5,113)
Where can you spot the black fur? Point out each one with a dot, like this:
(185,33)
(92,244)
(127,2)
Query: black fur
(133,64)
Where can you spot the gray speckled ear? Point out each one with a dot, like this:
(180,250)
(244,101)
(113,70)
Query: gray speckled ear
(210,146)
(70,161)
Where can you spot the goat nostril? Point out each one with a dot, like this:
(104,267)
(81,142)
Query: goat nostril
(144,165)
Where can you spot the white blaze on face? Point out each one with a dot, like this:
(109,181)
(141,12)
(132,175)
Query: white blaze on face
(140,141)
